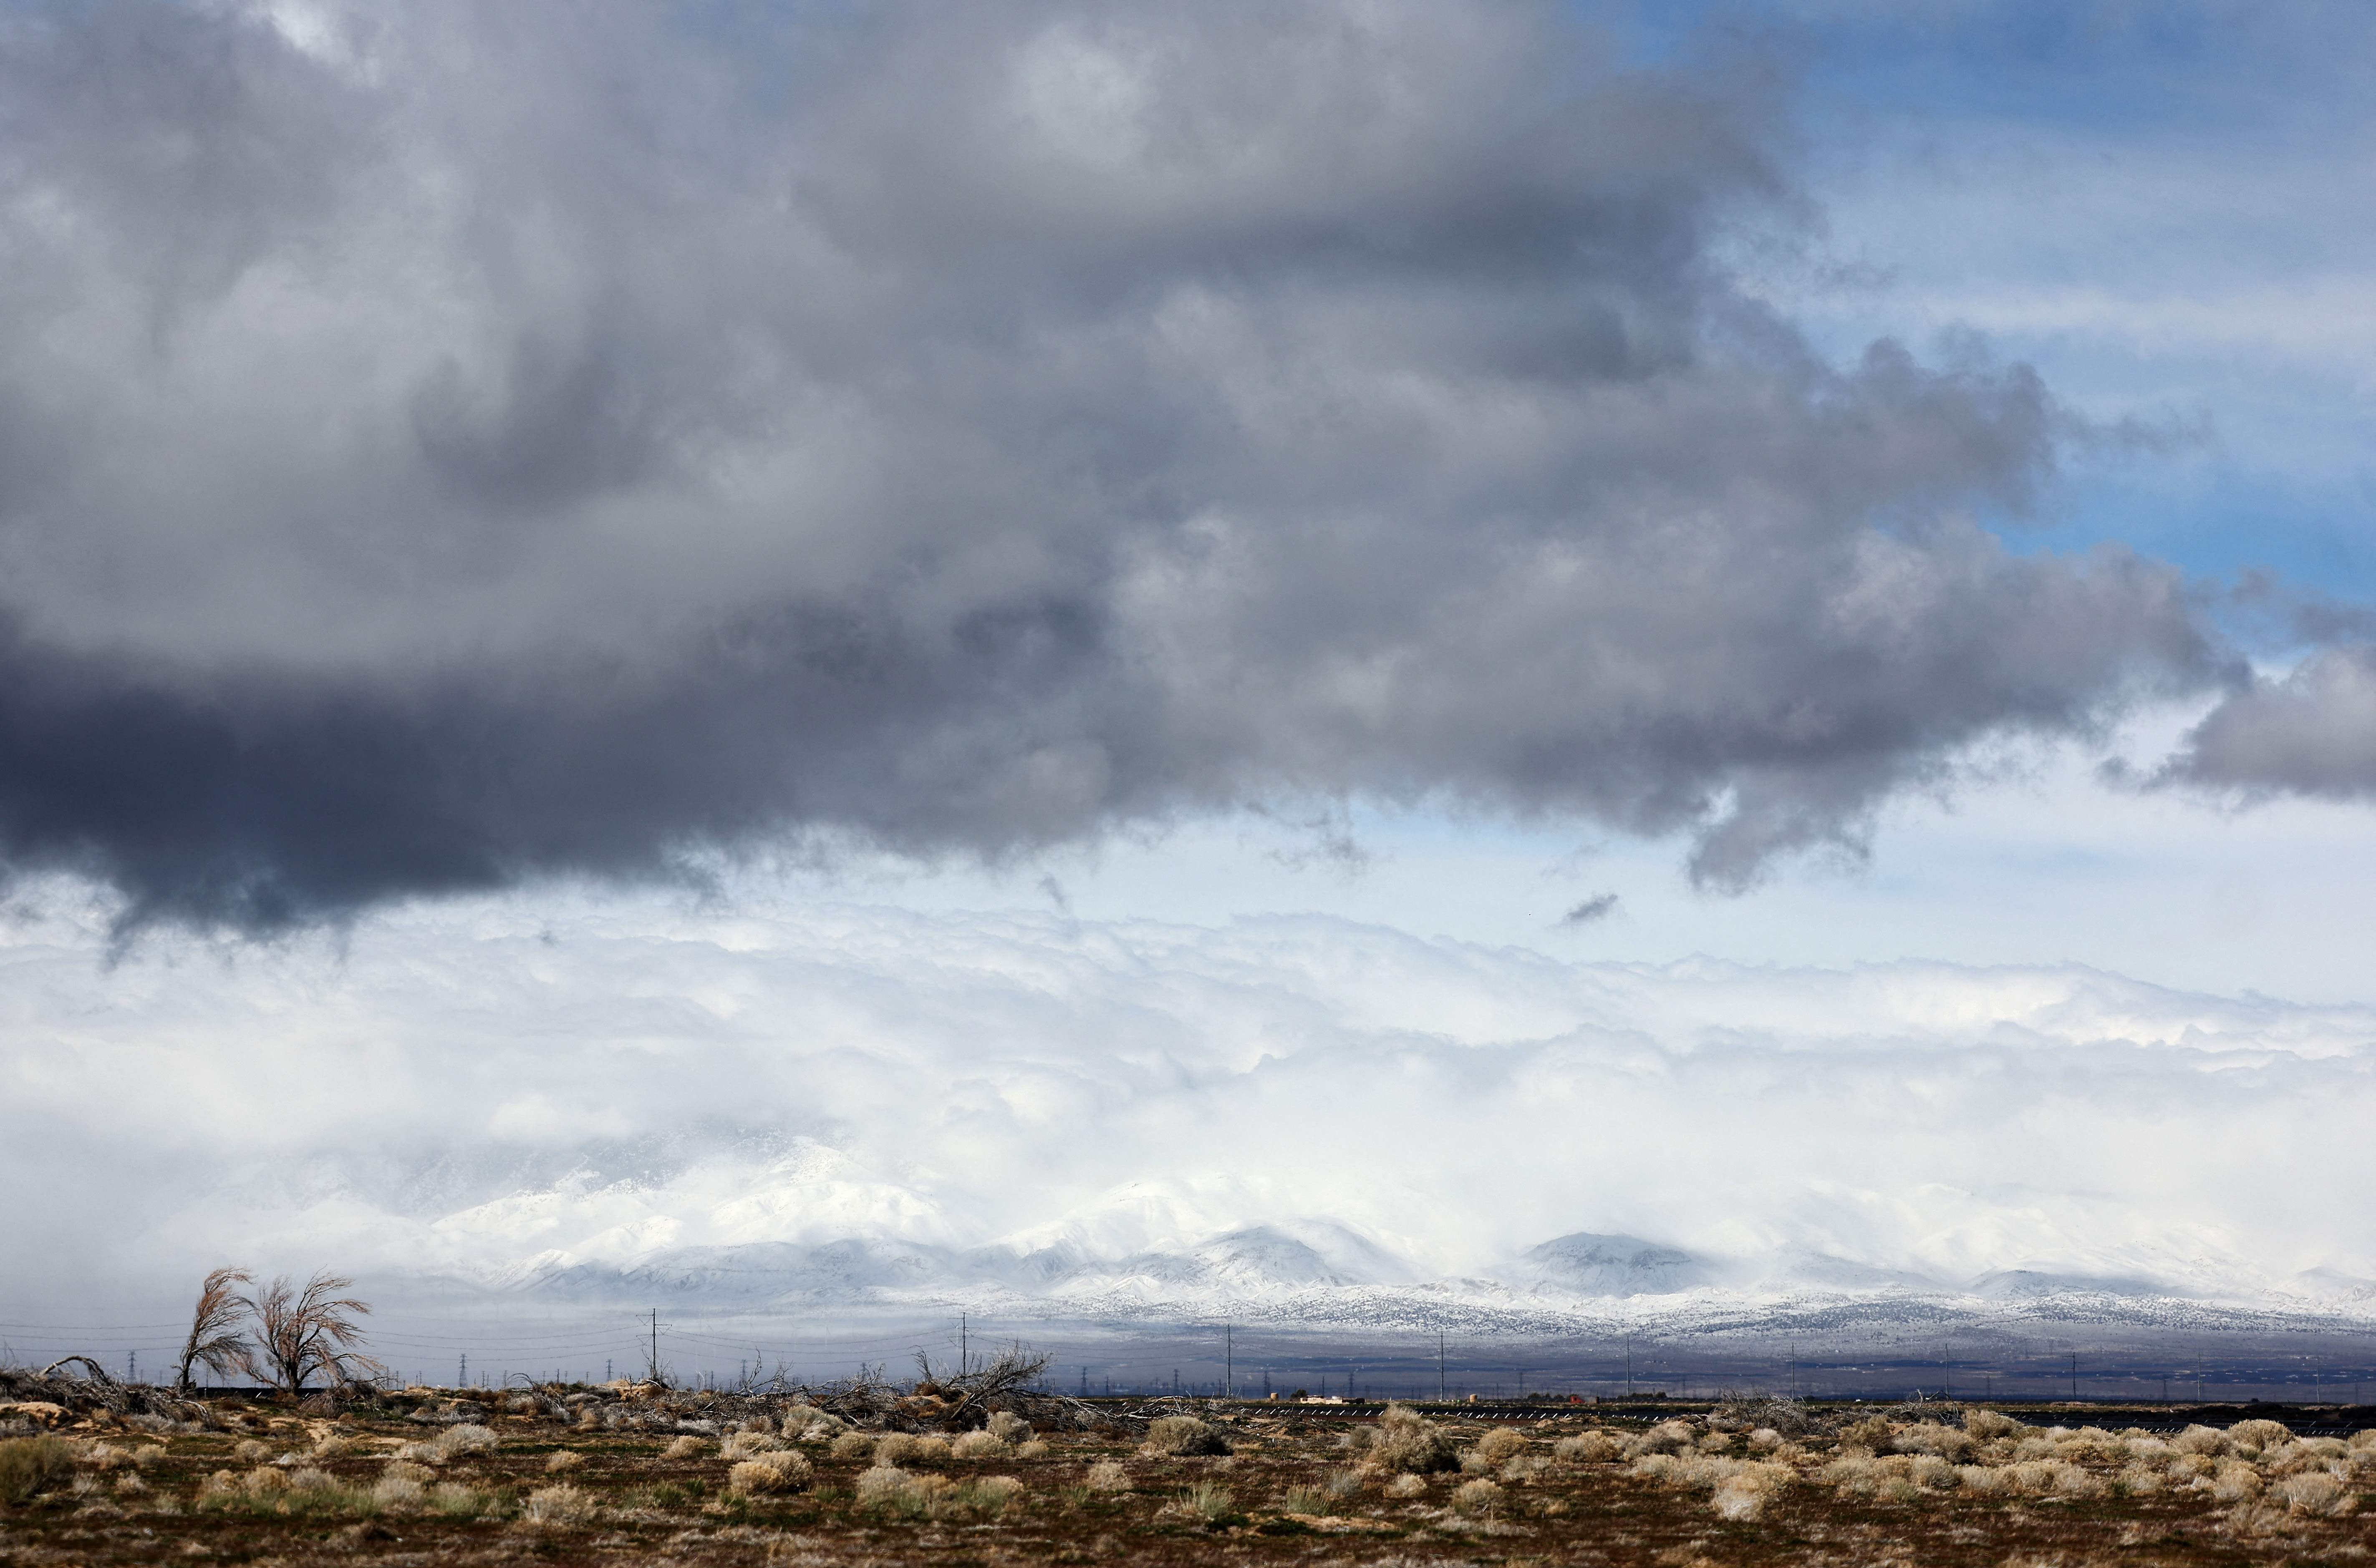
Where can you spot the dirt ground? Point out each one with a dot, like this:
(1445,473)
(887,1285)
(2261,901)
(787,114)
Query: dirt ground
(598,1478)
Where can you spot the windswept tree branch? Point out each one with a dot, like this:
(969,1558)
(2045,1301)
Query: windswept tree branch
(312,1331)
(215,1340)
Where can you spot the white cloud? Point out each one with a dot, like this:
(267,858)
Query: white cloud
(454,1093)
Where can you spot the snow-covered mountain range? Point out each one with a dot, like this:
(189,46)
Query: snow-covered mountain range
(1299,1119)
(1322,1275)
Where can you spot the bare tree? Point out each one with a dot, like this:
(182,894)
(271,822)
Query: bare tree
(312,1331)
(215,1341)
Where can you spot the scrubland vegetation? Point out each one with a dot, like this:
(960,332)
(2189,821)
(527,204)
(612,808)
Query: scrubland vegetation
(639,1473)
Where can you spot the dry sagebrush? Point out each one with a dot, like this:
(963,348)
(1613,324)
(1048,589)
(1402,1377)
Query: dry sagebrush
(1404,1442)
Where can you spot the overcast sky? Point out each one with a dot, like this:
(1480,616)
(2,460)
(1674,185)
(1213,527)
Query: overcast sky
(1808,483)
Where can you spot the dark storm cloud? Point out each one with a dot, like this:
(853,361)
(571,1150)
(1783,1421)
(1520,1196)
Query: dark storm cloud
(1599,906)
(450,444)
(2312,731)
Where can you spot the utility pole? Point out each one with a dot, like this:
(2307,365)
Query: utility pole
(2074,1379)
(1628,1364)
(462,1378)
(656,1344)
(1440,1387)
(1228,1364)
(1947,1371)
(964,1348)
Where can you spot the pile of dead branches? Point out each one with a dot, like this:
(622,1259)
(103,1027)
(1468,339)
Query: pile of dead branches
(938,1400)
(960,1401)
(1790,1417)
(82,1386)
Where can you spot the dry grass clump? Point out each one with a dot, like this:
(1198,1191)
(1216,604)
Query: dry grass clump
(886,1488)
(454,1442)
(2307,1452)
(1406,1443)
(2315,1492)
(853,1445)
(1207,1502)
(1738,1488)
(685,1447)
(2049,1478)
(1890,1477)
(1980,1481)
(744,1444)
(1404,1487)
(896,1448)
(1107,1475)
(270,1490)
(776,1470)
(2137,1480)
(892,1490)
(1595,1447)
(1932,1437)
(560,1507)
(1479,1496)
(399,1494)
(2234,1481)
(227,1489)
(809,1424)
(1666,1437)
(1183,1437)
(562,1459)
(31,1464)
(2248,1439)
(982,1446)
(251,1452)
(458,1501)
(1984,1426)
(2199,1440)
(991,1495)
(1742,1496)
(1494,1450)
(2088,1444)
(1311,1502)
(1007,1427)
(1873,1435)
